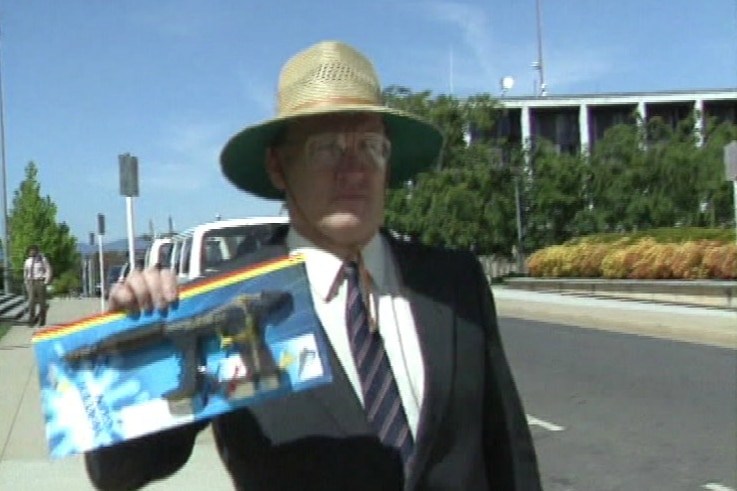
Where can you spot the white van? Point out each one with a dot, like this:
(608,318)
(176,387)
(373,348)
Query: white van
(205,246)
(158,252)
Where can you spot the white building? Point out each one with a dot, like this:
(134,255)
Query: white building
(576,122)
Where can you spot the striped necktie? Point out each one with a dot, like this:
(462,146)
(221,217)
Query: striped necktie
(382,402)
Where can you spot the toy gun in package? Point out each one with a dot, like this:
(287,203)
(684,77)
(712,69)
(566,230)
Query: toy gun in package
(237,323)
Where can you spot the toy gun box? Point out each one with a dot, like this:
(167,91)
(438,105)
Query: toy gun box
(231,341)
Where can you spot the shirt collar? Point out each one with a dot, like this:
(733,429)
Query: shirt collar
(323,267)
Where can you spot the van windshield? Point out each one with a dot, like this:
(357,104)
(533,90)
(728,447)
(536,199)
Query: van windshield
(227,243)
(113,273)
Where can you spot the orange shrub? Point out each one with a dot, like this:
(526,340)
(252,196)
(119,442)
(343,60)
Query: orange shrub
(645,259)
(653,260)
(721,261)
(588,257)
(686,261)
(619,263)
(551,262)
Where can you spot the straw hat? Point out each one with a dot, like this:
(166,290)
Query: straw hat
(329,77)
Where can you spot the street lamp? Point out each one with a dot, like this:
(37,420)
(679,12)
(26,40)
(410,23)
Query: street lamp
(538,64)
(506,84)
(6,241)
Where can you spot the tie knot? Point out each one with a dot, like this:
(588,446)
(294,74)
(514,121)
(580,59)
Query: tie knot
(351,271)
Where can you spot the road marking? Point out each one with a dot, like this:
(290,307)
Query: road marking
(533,421)
(715,486)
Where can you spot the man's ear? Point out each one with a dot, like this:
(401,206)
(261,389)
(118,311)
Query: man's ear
(275,169)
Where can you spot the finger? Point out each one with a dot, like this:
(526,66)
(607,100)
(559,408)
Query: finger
(121,297)
(141,291)
(169,285)
(153,280)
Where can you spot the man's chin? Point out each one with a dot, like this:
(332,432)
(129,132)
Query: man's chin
(348,226)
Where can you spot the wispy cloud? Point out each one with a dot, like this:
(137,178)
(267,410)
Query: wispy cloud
(587,67)
(189,156)
(473,58)
(481,59)
(176,18)
(257,94)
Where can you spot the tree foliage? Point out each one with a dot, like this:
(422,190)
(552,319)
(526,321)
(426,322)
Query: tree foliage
(639,176)
(32,220)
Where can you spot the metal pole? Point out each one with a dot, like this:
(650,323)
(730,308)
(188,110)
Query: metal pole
(131,236)
(507,83)
(102,274)
(91,275)
(520,250)
(540,65)
(84,277)
(734,197)
(6,240)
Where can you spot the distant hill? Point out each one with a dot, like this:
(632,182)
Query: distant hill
(119,245)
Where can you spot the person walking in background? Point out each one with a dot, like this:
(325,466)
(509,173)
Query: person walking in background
(37,275)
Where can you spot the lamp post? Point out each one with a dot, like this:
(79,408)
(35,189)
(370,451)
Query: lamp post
(129,188)
(507,83)
(100,235)
(730,174)
(6,241)
(538,64)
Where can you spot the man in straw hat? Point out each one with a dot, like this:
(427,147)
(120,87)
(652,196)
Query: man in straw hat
(422,396)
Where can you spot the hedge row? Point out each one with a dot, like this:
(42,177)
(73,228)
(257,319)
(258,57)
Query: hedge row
(661,235)
(643,259)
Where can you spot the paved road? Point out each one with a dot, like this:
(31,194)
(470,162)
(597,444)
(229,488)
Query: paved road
(592,442)
(624,412)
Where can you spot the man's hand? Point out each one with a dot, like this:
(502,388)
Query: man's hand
(144,290)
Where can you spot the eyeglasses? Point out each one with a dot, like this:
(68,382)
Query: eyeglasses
(327,150)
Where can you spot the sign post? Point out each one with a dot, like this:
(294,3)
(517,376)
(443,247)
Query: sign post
(129,188)
(90,265)
(730,173)
(100,233)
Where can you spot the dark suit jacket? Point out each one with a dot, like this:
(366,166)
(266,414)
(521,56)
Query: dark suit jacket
(472,433)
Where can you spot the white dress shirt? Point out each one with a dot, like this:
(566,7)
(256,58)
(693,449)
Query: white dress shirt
(36,268)
(390,309)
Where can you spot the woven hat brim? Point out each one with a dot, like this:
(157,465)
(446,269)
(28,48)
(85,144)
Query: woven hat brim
(416,147)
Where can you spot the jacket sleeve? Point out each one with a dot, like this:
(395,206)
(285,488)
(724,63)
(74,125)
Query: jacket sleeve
(133,464)
(509,453)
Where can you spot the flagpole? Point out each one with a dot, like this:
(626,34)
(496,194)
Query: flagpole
(6,242)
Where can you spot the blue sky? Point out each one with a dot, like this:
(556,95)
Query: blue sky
(171,80)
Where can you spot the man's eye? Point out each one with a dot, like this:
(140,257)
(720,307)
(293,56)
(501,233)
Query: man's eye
(376,145)
(325,144)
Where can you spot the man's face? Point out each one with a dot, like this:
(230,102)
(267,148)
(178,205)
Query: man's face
(333,170)
(32,252)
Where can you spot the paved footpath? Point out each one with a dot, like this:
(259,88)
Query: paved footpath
(24,461)
(24,464)
(702,325)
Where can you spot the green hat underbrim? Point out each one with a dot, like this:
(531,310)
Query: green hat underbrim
(416,147)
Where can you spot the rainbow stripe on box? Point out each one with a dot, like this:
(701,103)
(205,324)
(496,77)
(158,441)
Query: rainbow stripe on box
(188,291)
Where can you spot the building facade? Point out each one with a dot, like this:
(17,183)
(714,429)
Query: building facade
(574,123)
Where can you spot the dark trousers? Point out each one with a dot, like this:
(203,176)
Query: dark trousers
(37,296)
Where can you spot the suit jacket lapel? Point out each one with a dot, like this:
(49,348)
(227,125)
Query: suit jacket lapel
(434,322)
(435,331)
(340,401)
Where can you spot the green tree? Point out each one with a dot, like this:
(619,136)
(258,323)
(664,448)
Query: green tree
(469,202)
(656,175)
(32,220)
(556,196)
(715,192)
